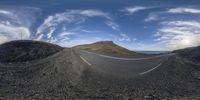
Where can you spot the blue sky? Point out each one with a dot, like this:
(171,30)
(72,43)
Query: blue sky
(134,24)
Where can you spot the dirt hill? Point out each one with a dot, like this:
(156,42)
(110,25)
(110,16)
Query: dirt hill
(107,47)
(26,50)
(64,75)
(192,54)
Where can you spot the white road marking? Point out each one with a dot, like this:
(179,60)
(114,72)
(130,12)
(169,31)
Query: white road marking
(150,69)
(85,61)
(105,56)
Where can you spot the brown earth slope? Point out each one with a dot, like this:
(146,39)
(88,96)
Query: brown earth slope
(64,75)
(107,47)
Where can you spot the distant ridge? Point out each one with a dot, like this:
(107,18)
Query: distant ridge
(65,75)
(107,47)
(192,53)
(26,50)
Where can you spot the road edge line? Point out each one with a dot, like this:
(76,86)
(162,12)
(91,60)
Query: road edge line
(150,69)
(133,59)
(85,61)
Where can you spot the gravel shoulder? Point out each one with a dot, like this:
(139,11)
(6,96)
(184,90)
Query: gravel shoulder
(64,75)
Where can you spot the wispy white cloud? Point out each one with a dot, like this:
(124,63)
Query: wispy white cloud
(92,13)
(152,17)
(80,41)
(57,28)
(15,23)
(90,31)
(15,31)
(179,34)
(39,37)
(51,31)
(164,15)
(134,9)
(67,33)
(8,33)
(5,12)
(113,25)
(124,37)
(178,23)
(176,32)
(70,17)
(184,10)
(3,38)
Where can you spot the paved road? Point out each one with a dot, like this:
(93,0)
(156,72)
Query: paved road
(127,67)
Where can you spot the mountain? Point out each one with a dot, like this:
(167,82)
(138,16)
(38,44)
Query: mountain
(62,74)
(26,50)
(107,47)
(192,54)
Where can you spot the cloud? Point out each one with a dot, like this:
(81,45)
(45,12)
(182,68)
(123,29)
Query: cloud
(113,25)
(124,37)
(39,37)
(169,13)
(176,31)
(179,34)
(8,33)
(58,28)
(65,20)
(183,23)
(5,12)
(152,17)
(160,16)
(80,41)
(184,10)
(3,38)
(15,23)
(67,33)
(132,10)
(92,13)
(90,31)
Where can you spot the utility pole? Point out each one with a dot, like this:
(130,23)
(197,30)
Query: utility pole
(21,35)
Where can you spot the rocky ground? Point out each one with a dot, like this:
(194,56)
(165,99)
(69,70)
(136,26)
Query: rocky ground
(25,50)
(192,54)
(63,75)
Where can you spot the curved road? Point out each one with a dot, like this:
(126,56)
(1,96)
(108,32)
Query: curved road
(127,67)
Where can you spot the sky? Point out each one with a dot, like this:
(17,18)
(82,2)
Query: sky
(156,25)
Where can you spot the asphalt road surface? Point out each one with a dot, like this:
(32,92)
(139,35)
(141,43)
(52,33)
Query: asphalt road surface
(122,67)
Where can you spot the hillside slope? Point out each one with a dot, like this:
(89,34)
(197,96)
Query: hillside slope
(192,54)
(65,75)
(107,47)
(26,50)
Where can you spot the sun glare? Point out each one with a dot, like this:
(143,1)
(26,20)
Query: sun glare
(186,41)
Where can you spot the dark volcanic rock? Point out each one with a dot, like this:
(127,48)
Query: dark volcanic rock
(26,50)
(65,76)
(192,54)
(56,77)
